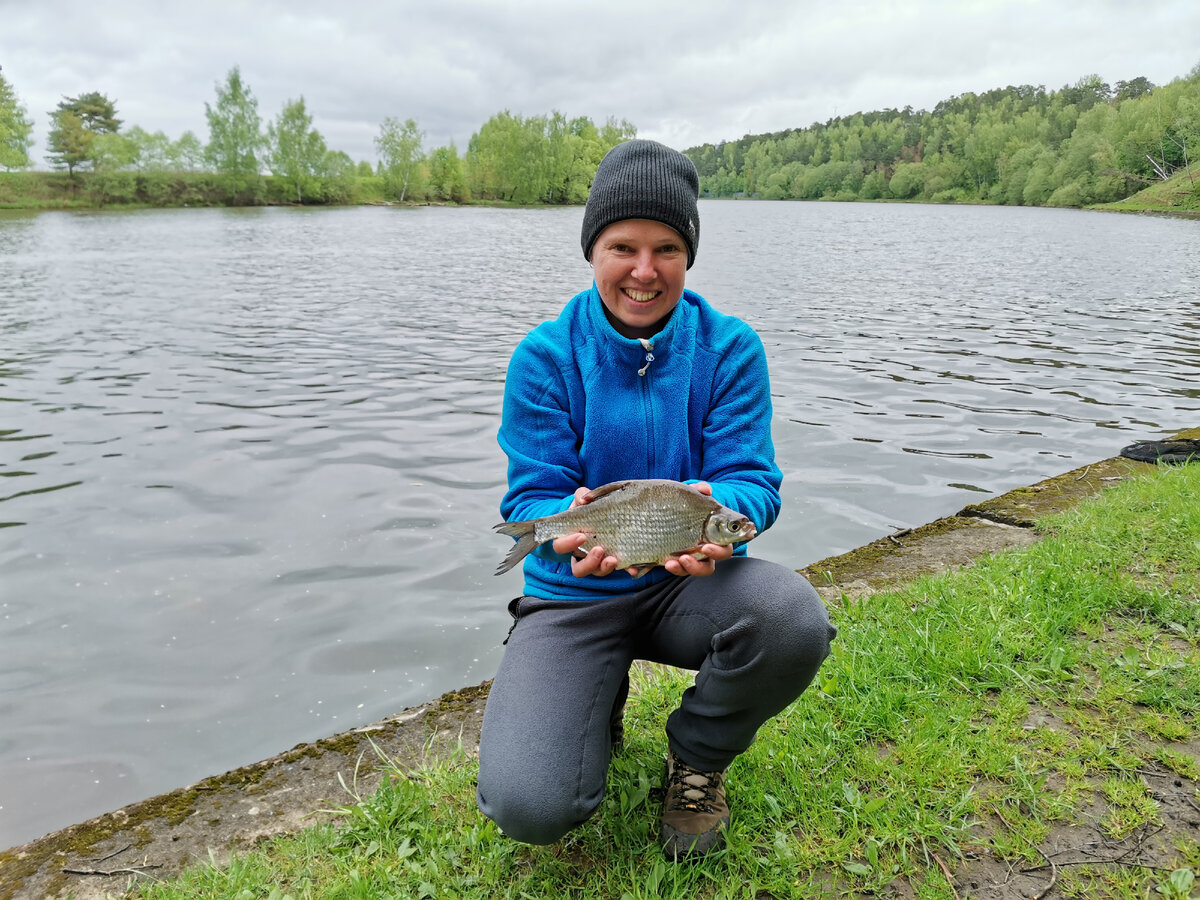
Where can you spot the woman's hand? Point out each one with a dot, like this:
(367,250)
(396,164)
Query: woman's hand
(597,562)
(593,562)
(688,564)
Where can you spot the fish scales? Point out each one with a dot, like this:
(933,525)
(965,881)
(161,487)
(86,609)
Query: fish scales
(641,522)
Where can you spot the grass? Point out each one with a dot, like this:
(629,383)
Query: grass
(963,718)
(1178,195)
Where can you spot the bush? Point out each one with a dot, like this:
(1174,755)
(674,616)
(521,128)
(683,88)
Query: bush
(107,188)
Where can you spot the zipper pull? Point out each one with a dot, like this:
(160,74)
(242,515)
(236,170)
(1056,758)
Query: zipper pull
(647,346)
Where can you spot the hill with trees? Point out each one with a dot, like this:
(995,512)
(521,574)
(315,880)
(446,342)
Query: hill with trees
(1084,144)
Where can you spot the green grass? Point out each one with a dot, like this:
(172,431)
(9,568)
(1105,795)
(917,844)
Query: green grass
(1179,194)
(137,190)
(972,712)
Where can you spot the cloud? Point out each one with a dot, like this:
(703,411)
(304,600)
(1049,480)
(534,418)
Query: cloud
(683,72)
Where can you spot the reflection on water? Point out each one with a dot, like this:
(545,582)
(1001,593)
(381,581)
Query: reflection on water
(248,461)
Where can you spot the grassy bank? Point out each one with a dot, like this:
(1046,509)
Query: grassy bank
(975,729)
(1178,195)
(98,190)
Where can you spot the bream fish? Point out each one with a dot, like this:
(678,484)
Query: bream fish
(643,523)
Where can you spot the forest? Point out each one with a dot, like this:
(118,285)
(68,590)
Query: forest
(1083,144)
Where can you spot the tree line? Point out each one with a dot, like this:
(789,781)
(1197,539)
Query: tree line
(539,159)
(1083,144)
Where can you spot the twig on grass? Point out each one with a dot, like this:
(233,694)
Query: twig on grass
(945,871)
(1053,877)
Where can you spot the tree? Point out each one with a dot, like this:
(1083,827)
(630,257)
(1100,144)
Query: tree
(111,151)
(235,137)
(187,153)
(150,152)
(295,150)
(492,157)
(75,125)
(908,180)
(1087,92)
(446,174)
(16,129)
(70,142)
(1186,128)
(1131,90)
(337,164)
(399,148)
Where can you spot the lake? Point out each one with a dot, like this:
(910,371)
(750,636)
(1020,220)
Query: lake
(248,467)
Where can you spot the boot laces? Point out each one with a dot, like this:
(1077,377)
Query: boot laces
(692,789)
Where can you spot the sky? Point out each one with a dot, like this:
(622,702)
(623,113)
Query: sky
(684,72)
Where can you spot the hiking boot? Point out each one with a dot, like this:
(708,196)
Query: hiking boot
(695,812)
(616,721)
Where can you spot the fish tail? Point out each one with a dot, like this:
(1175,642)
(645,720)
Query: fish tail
(524,533)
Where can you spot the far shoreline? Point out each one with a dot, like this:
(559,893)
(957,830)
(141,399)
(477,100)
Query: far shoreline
(44,191)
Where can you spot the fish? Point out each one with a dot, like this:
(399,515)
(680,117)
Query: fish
(642,522)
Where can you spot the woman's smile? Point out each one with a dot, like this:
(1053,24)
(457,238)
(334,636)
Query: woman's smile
(640,266)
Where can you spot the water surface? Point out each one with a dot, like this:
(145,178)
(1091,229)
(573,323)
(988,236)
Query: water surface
(248,464)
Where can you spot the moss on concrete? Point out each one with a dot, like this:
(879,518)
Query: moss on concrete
(1024,506)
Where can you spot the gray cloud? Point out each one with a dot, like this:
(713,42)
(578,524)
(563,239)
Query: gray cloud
(683,72)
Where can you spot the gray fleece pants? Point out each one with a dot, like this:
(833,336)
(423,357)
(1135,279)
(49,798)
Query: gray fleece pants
(756,632)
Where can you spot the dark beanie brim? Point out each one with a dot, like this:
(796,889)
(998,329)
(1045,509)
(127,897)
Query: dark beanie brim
(644,180)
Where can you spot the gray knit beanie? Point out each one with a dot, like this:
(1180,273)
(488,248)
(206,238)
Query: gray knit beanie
(644,180)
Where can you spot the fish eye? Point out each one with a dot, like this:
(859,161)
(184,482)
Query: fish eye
(735,527)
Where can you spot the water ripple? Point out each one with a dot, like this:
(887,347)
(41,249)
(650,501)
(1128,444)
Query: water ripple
(248,459)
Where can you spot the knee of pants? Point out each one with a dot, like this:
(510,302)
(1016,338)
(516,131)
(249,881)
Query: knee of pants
(530,818)
(788,629)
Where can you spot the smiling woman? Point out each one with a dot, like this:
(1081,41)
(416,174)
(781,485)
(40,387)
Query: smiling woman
(580,411)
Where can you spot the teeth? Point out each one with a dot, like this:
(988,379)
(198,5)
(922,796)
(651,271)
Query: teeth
(641,296)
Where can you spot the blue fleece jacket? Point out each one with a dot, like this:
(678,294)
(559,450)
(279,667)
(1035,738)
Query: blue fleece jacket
(583,408)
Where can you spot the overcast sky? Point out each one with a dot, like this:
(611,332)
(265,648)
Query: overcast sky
(684,72)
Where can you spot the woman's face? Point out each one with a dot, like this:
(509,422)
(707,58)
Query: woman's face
(640,266)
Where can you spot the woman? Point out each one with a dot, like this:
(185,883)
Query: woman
(640,378)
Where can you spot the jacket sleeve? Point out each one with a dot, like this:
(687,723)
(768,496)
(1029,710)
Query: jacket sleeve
(538,438)
(739,454)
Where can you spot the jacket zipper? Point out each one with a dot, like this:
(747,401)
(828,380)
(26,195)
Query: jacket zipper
(648,401)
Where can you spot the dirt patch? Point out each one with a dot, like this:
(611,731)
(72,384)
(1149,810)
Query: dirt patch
(1085,845)
(229,813)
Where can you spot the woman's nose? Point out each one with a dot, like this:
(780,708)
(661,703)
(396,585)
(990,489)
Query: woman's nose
(643,267)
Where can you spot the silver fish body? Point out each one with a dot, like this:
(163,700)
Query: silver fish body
(641,522)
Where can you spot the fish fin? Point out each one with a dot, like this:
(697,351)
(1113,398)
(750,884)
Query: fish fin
(642,570)
(694,551)
(524,533)
(603,490)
